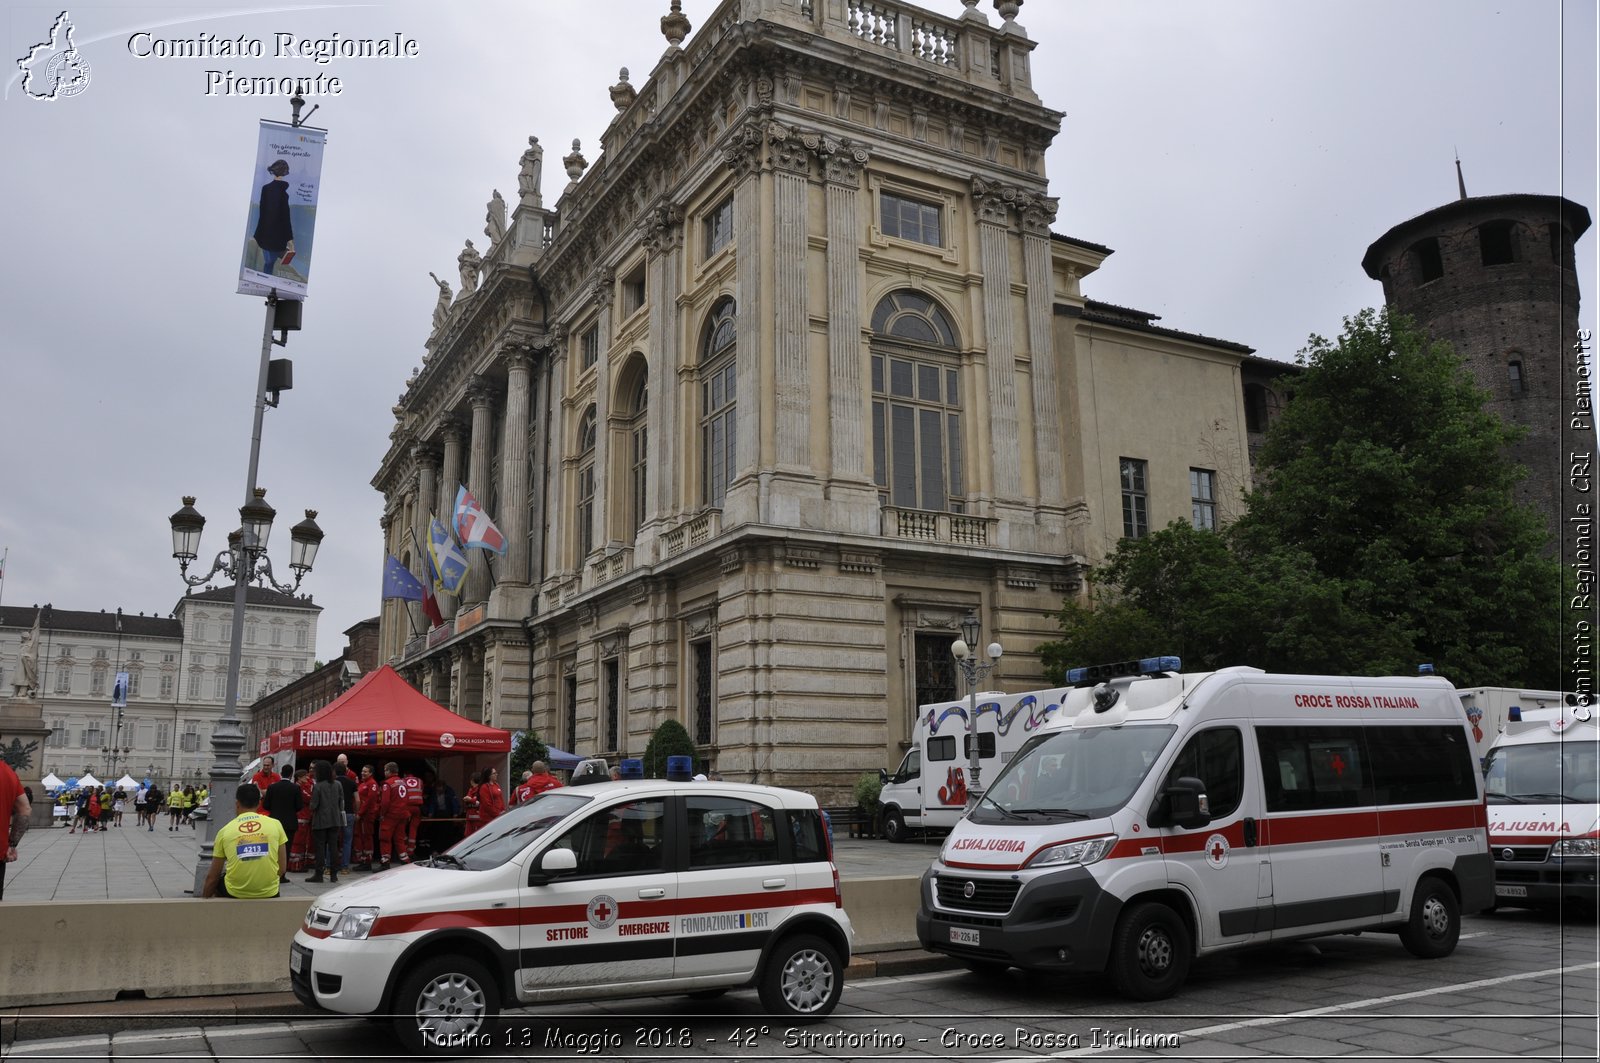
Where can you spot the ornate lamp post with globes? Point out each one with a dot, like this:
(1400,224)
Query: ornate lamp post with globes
(244,562)
(964,651)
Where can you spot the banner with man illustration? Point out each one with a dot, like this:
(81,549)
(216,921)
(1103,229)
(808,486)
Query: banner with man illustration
(282,219)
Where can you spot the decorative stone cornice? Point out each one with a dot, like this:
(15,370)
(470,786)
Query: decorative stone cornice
(743,152)
(1038,214)
(600,287)
(661,229)
(995,201)
(789,153)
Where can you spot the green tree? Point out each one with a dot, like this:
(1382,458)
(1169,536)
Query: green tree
(528,750)
(670,740)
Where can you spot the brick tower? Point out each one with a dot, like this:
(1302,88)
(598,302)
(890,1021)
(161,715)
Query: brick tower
(1494,276)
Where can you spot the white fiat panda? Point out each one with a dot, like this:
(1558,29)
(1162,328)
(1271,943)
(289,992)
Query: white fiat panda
(613,890)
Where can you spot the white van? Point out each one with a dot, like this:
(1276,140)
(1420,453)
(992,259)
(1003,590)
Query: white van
(1488,708)
(1165,816)
(1543,780)
(929,789)
(618,889)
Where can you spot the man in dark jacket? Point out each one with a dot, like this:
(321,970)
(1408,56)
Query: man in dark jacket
(283,801)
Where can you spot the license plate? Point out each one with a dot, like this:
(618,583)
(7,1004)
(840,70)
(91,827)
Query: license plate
(1511,891)
(962,936)
(296,960)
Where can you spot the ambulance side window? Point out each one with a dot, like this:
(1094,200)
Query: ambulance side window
(1314,767)
(625,839)
(1413,765)
(730,832)
(1216,758)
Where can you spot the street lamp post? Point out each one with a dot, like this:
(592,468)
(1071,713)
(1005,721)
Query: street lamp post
(965,652)
(244,562)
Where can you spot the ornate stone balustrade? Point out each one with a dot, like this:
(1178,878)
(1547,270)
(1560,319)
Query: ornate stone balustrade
(936,527)
(692,533)
(609,568)
(905,29)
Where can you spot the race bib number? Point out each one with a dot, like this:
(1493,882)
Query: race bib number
(252,850)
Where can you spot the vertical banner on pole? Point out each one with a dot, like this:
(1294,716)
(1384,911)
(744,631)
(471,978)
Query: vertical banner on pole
(283,211)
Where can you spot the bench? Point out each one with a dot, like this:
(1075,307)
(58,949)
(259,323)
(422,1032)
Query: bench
(859,823)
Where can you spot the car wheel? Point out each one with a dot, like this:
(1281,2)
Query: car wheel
(447,1005)
(894,826)
(1435,922)
(802,979)
(1150,952)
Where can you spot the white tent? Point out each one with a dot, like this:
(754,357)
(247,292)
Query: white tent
(86,780)
(50,782)
(127,782)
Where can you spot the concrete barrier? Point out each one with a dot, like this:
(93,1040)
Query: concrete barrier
(64,952)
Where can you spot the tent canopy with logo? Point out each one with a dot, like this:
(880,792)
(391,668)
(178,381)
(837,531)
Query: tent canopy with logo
(383,715)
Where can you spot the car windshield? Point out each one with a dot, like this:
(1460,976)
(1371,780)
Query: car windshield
(1073,773)
(1543,773)
(513,832)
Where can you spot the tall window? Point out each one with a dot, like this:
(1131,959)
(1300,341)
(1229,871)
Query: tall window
(1519,383)
(639,456)
(703,697)
(916,406)
(166,687)
(219,689)
(133,684)
(63,680)
(194,686)
(250,628)
(300,638)
(570,695)
(719,374)
(277,635)
(1203,498)
(584,516)
(910,219)
(935,669)
(1135,499)
(97,681)
(191,736)
(58,734)
(163,735)
(613,698)
(1495,244)
(589,346)
(1430,263)
(719,227)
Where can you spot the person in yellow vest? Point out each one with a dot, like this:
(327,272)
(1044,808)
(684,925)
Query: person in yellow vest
(175,806)
(200,795)
(248,852)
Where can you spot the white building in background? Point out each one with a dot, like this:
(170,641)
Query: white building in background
(177,669)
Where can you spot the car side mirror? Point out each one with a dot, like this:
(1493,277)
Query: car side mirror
(1182,804)
(550,865)
(883,777)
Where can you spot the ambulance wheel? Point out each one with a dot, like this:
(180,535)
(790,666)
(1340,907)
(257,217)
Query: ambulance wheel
(446,1005)
(1150,952)
(802,979)
(1435,922)
(894,826)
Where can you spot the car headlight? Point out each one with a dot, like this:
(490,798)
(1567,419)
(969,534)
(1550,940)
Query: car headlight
(1576,847)
(1083,852)
(354,923)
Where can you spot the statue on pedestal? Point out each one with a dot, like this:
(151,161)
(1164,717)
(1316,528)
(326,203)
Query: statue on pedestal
(528,177)
(495,219)
(25,684)
(470,262)
(442,307)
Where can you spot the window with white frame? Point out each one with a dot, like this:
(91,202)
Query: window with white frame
(719,227)
(64,679)
(58,734)
(97,681)
(189,742)
(166,687)
(719,375)
(194,686)
(589,346)
(219,689)
(1203,498)
(917,459)
(133,684)
(163,735)
(911,219)
(583,514)
(639,451)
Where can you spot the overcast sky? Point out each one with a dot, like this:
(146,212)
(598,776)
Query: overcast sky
(1238,156)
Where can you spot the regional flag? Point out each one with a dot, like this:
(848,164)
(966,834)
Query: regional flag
(474,529)
(398,582)
(449,563)
(430,604)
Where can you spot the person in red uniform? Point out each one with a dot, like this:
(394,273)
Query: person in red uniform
(539,780)
(394,814)
(366,817)
(471,804)
(300,844)
(15,813)
(265,778)
(414,798)
(491,799)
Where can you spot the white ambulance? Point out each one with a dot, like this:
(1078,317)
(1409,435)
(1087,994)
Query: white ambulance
(1164,816)
(1543,780)
(612,890)
(929,789)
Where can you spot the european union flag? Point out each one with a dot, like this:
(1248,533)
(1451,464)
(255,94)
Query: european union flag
(449,563)
(398,582)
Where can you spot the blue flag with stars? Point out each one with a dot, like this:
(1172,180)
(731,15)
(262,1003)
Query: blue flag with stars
(400,583)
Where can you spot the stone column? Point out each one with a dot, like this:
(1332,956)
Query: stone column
(513,516)
(663,238)
(426,459)
(994,208)
(481,393)
(846,431)
(561,433)
(449,477)
(601,293)
(791,369)
(744,157)
(1036,218)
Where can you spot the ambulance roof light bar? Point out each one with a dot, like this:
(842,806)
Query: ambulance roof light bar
(1101,672)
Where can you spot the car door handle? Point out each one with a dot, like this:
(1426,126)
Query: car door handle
(652,894)
(774,883)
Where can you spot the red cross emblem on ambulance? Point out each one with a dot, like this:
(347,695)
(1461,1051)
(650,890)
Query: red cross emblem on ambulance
(602,911)
(1217,851)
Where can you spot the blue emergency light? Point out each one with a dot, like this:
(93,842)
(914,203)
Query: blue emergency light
(632,768)
(1425,668)
(1514,714)
(1100,672)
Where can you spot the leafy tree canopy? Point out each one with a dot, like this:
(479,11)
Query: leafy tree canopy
(1384,534)
(528,750)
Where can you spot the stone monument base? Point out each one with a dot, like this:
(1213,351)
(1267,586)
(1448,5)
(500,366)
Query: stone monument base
(22,738)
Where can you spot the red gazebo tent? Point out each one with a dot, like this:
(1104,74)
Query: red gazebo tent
(384,714)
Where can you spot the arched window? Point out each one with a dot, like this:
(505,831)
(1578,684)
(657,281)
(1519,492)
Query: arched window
(1519,383)
(629,452)
(640,451)
(916,405)
(1430,262)
(1495,244)
(719,376)
(585,509)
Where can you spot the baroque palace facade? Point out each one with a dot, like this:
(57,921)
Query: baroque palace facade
(789,380)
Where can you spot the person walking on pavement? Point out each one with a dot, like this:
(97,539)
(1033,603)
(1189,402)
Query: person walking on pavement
(15,807)
(327,822)
(249,851)
(283,801)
